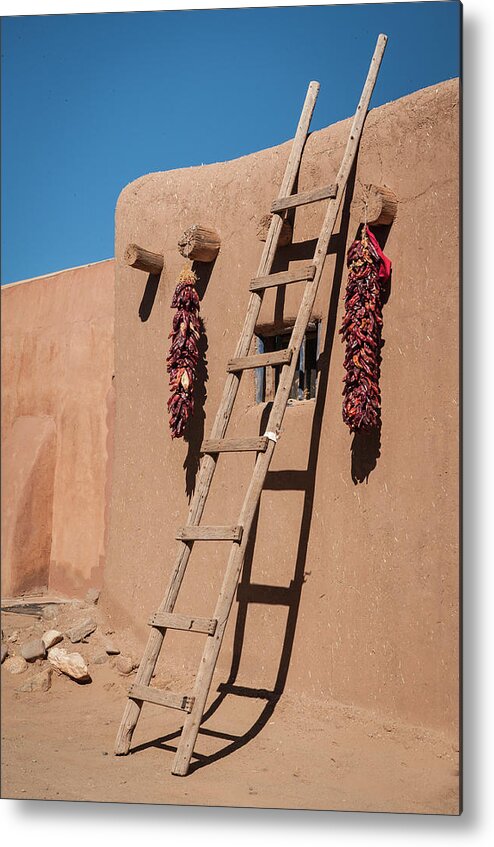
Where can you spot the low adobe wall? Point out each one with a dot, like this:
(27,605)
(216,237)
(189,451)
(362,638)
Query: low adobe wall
(57,410)
(350,591)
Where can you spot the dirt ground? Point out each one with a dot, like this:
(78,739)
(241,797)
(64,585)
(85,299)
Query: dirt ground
(252,751)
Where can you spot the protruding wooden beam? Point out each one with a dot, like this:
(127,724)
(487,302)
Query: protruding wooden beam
(143,260)
(199,244)
(286,233)
(382,205)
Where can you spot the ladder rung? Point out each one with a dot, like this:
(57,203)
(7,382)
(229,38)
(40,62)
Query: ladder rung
(170,620)
(235,445)
(328,191)
(300,275)
(210,533)
(260,360)
(161,698)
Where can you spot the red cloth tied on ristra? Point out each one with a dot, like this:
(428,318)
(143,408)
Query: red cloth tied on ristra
(184,354)
(369,270)
(385,264)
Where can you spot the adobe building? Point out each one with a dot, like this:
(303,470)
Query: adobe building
(349,592)
(350,589)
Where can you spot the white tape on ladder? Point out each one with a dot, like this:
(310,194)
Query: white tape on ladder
(272,436)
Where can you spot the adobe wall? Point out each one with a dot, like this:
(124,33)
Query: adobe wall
(57,408)
(359,541)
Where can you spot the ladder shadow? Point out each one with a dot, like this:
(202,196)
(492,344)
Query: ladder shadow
(200,760)
(248,592)
(291,253)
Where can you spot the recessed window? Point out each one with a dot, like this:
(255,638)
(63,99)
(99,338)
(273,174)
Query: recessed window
(305,380)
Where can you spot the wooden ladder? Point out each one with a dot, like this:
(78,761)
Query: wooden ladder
(194,704)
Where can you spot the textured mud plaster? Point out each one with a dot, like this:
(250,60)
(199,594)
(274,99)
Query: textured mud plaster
(27,478)
(57,367)
(350,590)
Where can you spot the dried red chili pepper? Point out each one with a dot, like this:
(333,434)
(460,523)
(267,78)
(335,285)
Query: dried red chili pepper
(184,354)
(368,271)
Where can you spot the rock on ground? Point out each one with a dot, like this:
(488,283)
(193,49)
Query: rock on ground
(52,637)
(92,595)
(82,630)
(34,649)
(125,665)
(40,682)
(5,652)
(71,664)
(110,648)
(15,664)
(50,612)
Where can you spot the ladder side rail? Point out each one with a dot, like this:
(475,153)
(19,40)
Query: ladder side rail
(255,299)
(208,463)
(287,372)
(204,677)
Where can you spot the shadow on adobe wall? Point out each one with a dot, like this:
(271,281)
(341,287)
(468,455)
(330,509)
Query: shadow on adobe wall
(148,298)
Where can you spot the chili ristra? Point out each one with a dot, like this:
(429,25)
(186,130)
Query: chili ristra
(368,272)
(184,354)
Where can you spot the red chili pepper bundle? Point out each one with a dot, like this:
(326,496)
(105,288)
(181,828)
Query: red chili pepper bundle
(184,355)
(369,270)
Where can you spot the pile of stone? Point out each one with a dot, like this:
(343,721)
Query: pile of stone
(71,664)
(47,653)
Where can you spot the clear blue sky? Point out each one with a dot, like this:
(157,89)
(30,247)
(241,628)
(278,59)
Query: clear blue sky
(91,102)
